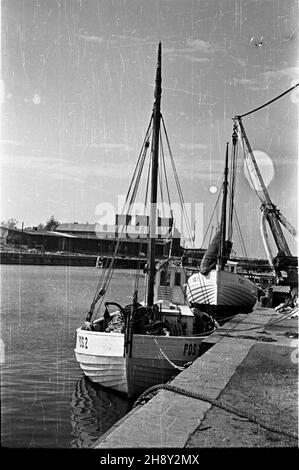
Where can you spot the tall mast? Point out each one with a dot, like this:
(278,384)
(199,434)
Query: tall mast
(154,182)
(223,211)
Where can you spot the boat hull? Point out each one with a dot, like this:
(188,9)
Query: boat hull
(153,359)
(100,356)
(222,292)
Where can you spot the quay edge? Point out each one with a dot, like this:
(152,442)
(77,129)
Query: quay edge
(255,370)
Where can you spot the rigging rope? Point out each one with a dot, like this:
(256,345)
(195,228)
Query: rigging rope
(137,275)
(129,201)
(220,404)
(169,235)
(105,279)
(269,102)
(147,134)
(249,171)
(165,175)
(178,185)
(160,176)
(148,178)
(240,233)
(215,207)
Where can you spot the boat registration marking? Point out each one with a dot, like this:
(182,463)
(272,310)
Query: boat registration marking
(191,349)
(83,340)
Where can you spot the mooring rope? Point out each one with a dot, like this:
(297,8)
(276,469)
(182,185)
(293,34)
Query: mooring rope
(167,359)
(220,404)
(262,326)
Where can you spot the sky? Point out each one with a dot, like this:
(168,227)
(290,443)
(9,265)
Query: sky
(77,80)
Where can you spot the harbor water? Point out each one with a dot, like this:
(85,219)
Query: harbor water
(45,400)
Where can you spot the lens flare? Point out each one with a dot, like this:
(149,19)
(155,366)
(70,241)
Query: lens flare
(213,189)
(266,167)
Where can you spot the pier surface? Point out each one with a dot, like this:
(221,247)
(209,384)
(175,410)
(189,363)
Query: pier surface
(251,363)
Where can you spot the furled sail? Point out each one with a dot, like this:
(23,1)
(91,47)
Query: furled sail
(209,260)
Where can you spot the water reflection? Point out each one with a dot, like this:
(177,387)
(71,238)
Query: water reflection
(94,410)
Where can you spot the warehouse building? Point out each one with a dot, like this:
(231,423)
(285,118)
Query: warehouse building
(95,239)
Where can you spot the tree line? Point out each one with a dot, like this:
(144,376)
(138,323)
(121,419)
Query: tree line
(51,224)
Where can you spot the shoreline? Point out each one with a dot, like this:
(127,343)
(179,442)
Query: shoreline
(47,259)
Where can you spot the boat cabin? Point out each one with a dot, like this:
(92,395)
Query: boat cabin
(169,285)
(231,266)
(169,295)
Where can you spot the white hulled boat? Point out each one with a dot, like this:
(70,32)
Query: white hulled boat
(222,291)
(217,287)
(144,343)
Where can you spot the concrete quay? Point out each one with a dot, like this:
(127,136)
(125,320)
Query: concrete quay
(250,363)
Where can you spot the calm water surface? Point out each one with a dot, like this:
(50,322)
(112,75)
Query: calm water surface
(45,400)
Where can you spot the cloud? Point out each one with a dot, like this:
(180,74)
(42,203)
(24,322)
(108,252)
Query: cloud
(192,49)
(27,161)
(214,175)
(79,171)
(199,45)
(191,58)
(192,146)
(88,38)
(15,148)
(286,72)
(62,168)
(244,81)
(238,61)
(106,146)
(253,84)
(200,167)
(110,146)
(261,82)
(11,142)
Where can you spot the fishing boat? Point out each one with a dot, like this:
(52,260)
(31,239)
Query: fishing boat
(284,265)
(149,341)
(217,287)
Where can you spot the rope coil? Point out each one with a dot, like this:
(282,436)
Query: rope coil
(220,404)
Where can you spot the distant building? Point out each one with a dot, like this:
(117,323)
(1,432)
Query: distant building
(131,230)
(98,239)
(41,240)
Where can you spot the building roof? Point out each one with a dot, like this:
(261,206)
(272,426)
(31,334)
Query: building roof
(109,231)
(67,235)
(46,233)
(74,227)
